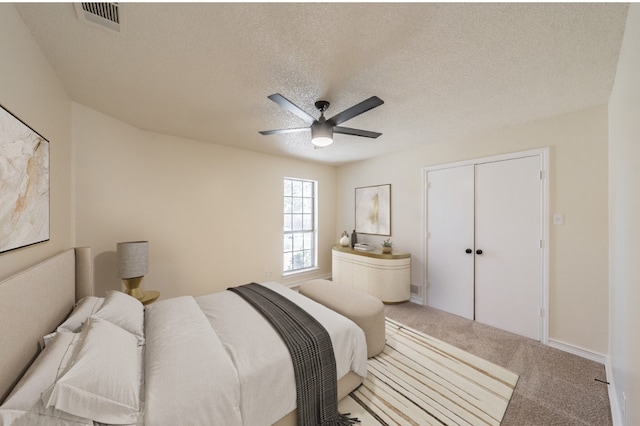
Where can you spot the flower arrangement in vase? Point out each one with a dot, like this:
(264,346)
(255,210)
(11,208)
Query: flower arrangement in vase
(387,246)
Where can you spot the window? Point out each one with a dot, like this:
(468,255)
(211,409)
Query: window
(299,225)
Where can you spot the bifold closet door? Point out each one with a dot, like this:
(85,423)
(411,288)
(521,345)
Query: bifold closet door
(450,216)
(484,255)
(508,232)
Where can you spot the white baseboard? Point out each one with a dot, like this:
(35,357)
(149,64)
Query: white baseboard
(616,412)
(576,350)
(415,299)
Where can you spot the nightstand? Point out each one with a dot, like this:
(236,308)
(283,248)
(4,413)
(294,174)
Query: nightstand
(150,297)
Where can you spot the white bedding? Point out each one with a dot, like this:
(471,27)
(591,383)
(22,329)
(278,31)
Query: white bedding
(210,360)
(188,376)
(214,358)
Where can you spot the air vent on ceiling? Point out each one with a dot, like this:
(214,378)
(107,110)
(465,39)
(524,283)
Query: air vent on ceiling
(107,15)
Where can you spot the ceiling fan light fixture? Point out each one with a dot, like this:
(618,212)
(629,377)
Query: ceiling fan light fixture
(321,134)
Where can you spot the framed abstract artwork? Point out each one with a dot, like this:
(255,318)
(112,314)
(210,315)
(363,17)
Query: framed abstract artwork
(373,210)
(24,184)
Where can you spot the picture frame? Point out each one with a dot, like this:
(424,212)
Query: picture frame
(373,210)
(24,184)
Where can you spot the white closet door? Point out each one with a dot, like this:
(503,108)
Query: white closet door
(509,231)
(450,234)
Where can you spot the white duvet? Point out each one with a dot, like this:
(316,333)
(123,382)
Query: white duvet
(214,360)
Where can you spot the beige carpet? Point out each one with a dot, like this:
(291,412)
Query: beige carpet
(420,380)
(554,388)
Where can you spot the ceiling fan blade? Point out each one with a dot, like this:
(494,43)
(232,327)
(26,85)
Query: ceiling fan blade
(358,109)
(355,132)
(290,106)
(280,131)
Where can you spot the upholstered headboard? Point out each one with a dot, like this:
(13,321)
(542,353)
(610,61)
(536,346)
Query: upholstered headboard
(33,303)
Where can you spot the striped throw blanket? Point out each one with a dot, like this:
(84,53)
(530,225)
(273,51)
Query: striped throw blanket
(311,352)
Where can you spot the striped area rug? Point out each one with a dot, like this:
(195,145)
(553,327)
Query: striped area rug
(420,380)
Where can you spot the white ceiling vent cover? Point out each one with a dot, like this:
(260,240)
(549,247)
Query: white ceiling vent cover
(106,15)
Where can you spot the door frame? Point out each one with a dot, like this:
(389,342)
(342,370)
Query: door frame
(543,155)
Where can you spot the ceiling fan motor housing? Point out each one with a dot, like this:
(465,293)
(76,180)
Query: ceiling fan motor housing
(322,106)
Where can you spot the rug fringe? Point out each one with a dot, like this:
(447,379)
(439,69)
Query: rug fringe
(342,420)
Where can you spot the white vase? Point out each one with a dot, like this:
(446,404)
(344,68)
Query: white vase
(345,241)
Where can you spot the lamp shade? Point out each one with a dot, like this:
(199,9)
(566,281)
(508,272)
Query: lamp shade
(133,259)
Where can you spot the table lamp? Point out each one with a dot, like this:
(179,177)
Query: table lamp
(133,265)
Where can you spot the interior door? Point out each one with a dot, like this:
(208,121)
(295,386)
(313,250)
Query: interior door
(450,228)
(508,232)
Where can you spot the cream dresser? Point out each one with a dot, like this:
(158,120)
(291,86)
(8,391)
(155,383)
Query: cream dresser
(385,276)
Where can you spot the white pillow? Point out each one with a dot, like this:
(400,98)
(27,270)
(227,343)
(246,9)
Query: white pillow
(85,307)
(124,311)
(23,405)
(103,384)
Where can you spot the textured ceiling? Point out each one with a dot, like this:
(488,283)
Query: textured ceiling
(204,70)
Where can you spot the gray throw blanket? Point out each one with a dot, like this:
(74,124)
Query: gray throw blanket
(311,351)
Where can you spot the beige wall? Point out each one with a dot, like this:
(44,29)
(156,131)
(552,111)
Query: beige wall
(578,188)
(30,90)
(212,214)
(624,204)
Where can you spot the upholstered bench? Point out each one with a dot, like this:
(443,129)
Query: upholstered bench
(365,310)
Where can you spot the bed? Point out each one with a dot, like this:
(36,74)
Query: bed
(200,360)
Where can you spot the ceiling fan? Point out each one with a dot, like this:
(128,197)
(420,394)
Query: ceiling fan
(322,129)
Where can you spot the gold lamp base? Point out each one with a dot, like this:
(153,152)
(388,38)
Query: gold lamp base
(133,287)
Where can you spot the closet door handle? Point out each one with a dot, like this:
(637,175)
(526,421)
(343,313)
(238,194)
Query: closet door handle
(468,251)
(478,251)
